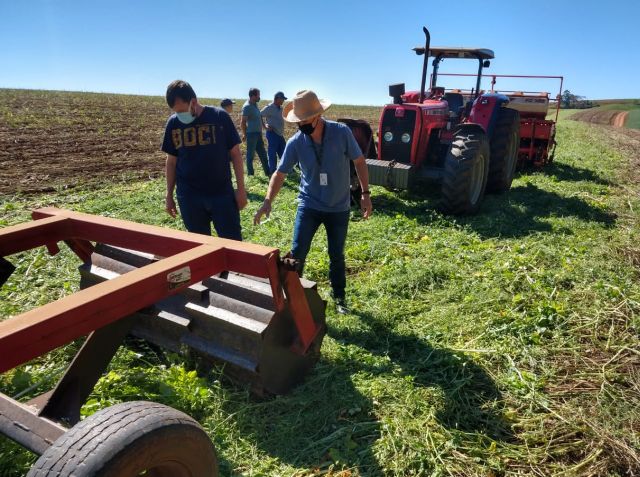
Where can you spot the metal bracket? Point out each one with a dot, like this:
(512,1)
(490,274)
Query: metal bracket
(390,167)
(6,269)
(290,268)
(63,403)
(20,424)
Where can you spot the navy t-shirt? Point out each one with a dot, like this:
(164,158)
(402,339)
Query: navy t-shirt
(202,149)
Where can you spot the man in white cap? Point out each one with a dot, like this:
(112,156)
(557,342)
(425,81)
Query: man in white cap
(322,149)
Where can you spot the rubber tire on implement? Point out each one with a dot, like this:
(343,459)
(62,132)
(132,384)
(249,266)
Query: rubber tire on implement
(505,143)
(127,439)
(461,191)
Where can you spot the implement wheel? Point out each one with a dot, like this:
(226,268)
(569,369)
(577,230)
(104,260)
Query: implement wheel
(128,440)
(465,172)
(504,151)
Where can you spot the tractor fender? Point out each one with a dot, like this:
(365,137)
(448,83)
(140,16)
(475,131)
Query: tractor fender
(469,128)
(485,110)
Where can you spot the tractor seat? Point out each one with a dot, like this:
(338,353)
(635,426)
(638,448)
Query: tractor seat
(455,101)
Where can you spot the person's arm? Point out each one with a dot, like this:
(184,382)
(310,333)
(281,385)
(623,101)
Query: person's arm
(170,171)
(275,184)
(363,177)
(238,170)
(264,113)
(243,126)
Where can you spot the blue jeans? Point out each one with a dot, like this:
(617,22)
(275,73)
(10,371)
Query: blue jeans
(336,224)
(255,144)
(275,149)
(199,211)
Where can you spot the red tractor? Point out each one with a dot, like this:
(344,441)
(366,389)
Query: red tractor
(468,143)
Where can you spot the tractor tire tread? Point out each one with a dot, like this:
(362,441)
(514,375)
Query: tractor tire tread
(458,170)
(501,167)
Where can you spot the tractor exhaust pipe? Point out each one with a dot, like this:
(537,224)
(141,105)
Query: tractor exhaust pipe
(427,44)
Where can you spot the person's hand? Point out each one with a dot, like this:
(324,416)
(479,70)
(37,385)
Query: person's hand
(170,206)
(265,209)
(241,198)
(366,206)
(244,138)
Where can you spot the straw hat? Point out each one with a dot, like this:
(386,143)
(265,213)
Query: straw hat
(304,106)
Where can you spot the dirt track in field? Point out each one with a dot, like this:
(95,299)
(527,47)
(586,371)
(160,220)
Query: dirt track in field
(619,119)
(596,116)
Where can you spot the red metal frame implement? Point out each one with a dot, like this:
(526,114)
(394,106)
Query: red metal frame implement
(189,259)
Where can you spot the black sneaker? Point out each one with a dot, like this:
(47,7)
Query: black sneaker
(341,306)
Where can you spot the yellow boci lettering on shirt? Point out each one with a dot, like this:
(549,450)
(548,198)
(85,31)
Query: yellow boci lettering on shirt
(204,135)
(190,137)
(176,136)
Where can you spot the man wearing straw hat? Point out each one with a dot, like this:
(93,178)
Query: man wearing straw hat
(322,149)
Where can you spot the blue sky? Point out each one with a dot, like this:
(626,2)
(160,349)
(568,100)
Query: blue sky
(348,51)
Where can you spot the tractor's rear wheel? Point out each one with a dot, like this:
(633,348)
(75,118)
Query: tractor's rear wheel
(465,172)
(504,151)
(128,440)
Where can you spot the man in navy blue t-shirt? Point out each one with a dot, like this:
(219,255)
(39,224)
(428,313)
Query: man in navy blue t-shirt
(199,140)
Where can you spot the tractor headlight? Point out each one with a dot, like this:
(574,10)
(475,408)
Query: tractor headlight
(405,138)
(388,136)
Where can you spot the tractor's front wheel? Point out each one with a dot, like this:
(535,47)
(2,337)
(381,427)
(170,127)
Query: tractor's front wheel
(504,151)
(465,172)
(128,440)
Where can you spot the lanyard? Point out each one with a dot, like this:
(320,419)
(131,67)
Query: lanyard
(318,150)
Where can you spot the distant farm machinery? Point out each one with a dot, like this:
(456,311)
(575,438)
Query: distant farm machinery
(470,141)
(258,318)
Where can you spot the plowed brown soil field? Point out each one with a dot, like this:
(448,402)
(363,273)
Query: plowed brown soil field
(59,139)
(53,139)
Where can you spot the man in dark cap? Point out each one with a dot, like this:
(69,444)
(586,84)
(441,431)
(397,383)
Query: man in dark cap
(227,105)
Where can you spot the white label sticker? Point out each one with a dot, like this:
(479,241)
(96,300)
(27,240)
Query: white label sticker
(323,179)
(179,277)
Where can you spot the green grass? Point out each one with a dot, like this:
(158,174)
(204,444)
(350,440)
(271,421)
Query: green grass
(619,104)
(633,119)
(500,344)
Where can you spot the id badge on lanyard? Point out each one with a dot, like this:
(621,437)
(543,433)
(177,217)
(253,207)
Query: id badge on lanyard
(323,176)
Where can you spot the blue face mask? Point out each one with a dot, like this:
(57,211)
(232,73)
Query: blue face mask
(186,118)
